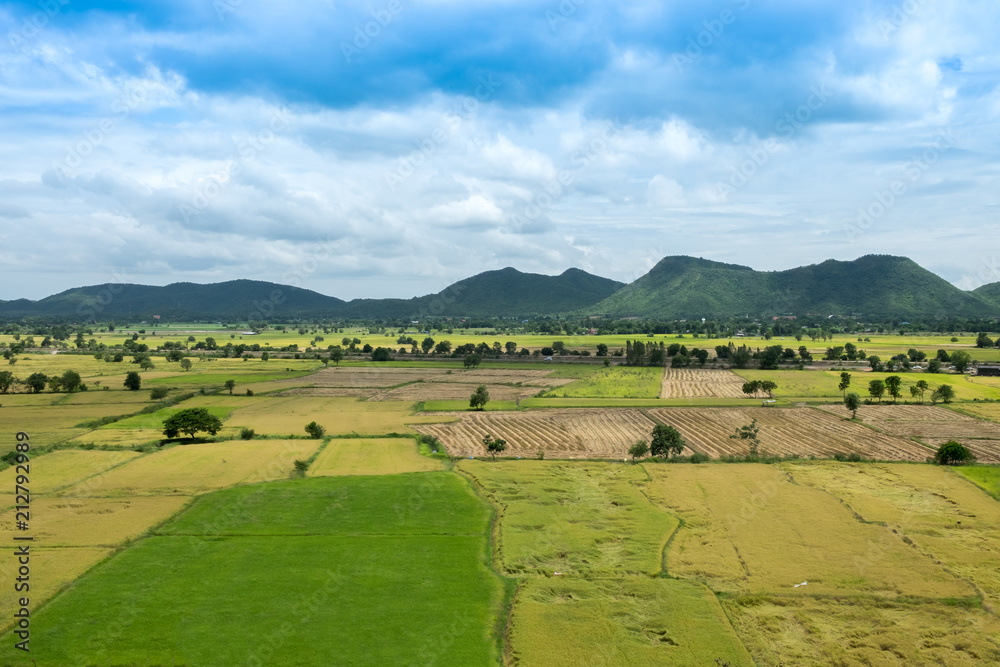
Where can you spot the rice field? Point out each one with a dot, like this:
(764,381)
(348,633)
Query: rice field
(985,477)
(698,383)
(580,433)
(452,391)
(563,621)
(751,530)
(61,567)
(573,518)
(63,468)
(192,469)
(371,456)
(614,381)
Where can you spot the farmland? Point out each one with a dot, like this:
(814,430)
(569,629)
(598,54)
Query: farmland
(618,381)
(688,383)
(371,456)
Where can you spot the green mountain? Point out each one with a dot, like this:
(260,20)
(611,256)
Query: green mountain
(873,285)
(235,299)
(989,293)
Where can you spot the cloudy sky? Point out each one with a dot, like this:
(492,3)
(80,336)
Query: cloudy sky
(391,147)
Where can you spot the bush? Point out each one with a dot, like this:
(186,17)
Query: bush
(247,433)
(315,430)
(159,393)
(953,453)
(699,457)
(301,466)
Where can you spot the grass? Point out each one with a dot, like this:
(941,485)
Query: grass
(985,477)
(197,468)
(61,567)
(155,420)
(749,529)
(573,517)
(371,456)
(630,621)
(378,589)
(614,382)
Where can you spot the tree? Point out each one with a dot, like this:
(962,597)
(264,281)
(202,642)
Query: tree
(145,363)
(494,446)
(69,382)
(945,393)
(427,344)
(984,340)
(960,360)
(159,393)
(186,363)
(336,354)
(230,385)
(190,421)
(892,385)
(934,366)
(315,430)
(875,362)
(443,347)
(472,360)
(381,354)
(602,350)
(876,388)
(36,382)
(132,381)
(749,432)
(953,453)
(479,398)
(751,387)
(638,450)
(666,441)
(852,402)
(768,386)
(942,355)
(845,382)
(6,380)
(921,386)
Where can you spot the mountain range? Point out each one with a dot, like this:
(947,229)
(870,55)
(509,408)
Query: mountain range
(876,286)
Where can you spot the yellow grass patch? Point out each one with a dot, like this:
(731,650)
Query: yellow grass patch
(697,383)
(371,456)
(944,515)
(62,468)
(51,570)
(289,416)
(191,469)
(750,529)
(123,438)
(849,632)
(91,522)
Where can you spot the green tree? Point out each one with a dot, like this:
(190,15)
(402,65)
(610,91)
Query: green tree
(666,440)
(69,382)
(315,430)
(7,379)
(443,347)
(638,450)
(934,366)
(190,421)
(602,350)
(158,393)
(472,360)
(132,381)
(751,387)
(381,354)
(36,382)
(892,386)
(186,363)
(852,402)
(945,393)
(960,360)
(336,355)
(953,453)
(230,385)
(876,388)
(480,397)
(146,364)
(921,386)
(427,344)
(875,362)
(494,445)
(845,382)
(750,433)
(769,386)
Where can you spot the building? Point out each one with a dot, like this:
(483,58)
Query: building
(991,370)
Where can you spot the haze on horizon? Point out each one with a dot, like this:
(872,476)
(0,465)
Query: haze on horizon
(389,148)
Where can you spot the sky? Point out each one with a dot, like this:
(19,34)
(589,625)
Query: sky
(392,147)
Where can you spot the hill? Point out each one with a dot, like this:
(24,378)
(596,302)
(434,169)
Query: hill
(235,299)
(989,293)
(873,285)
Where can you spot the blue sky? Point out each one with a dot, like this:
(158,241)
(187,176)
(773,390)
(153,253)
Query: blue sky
(391,147)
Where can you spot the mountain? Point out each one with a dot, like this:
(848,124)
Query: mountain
(235,299)
(989,293)
(873,285)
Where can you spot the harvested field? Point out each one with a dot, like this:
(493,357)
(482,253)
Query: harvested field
(353,392)
(371,456)
(62,468)
(584,433)
(750,529)
(92,522)
(340,416)
(451,391)
(986,450)
(694,383)
(364,376)
(534,378)
(121,438)
(801,431)
(192,469)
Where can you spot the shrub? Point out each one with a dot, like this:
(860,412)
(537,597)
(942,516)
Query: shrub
(159,393)
(699,457)
(953,453)
(315,430)
(301,466)
(247,433)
